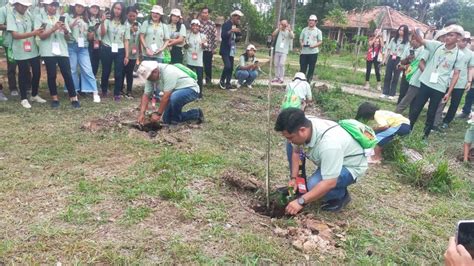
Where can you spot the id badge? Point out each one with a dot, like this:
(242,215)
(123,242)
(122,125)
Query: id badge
(194,56)
(134,50)
(55,49)
(27,46)
(96,44)
(115,48)
(434,77)
(282,45)
(80,42)
(394,57)
(154,47)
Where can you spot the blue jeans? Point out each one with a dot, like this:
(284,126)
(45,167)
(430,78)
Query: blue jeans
(246,76)
(344,180)
(468,101)
(147,58)
(108,58)
(174,111)
(80,56)
(289,154)
(388,134)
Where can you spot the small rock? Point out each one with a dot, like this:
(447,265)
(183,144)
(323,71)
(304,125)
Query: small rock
(280,232)
(298,245)
(310,246)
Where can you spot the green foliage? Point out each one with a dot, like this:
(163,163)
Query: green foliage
(135,215)
(449,10)
(467,17)
(338,17)
(329,46)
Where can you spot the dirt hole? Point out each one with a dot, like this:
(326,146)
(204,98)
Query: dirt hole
(275,210)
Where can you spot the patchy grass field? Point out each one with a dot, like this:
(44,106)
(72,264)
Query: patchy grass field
(109,194)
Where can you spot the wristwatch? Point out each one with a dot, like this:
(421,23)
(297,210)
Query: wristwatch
(301,201)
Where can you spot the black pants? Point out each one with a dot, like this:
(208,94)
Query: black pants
(25,77)
(207,60)
(199,72)
(65,68)
(228,68)
(11,73)
(466,109)
(128,74)
(308,64)
(176,55)
(456,97)
(426,93)
(403,88)
(108,58)
(369,69)
(392,74)
(94,55)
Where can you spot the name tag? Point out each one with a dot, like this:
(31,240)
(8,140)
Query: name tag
(282,45)
(55,49)
(80,42)
(96,44)
(194,56)
(434,77)
(154,47)
(134,49)
(27,46)
(394,57)
(115,48)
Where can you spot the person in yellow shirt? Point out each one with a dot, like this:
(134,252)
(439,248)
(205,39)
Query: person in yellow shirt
(388,125)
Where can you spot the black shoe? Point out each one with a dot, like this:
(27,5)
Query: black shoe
(55,104)
(462,116)
(75,104)
(436,129)
(201,117)
(336,204)
(222,85)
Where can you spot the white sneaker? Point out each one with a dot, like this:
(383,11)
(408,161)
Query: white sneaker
(249,86)
(391,97)
(382,96)
(238,85)
(25,104)
(96,98)
(3,98)
(37,99)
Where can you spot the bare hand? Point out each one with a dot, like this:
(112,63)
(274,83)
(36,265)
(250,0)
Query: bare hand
(149,52)
(457,255)
(292,183)
(235,29)
(38,31)
(103,18)
(468,86)
(125,61)
(293,208)
(446,98)
(155,117)
(57,26)
(141,119)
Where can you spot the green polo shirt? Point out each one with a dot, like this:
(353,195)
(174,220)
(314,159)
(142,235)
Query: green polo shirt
(441,61)
(46,45)
(310,36)
(116,32)
(134,42)
(467,62)
(21,24)
(283,41)
(334,150)
(174,34)
(194,47)
(171,78)
(397,47)
(78,30)
(154,34)
(7,36)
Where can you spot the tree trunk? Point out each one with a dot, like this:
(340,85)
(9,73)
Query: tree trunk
(292,23)
(172,4)
(277,12)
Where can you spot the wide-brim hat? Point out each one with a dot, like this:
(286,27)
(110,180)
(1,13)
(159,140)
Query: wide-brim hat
(237,13)
(454,29)
(299,75)
(439,34)
(146,68)
(79,2)
(23,2)
(157,9)
(176,12)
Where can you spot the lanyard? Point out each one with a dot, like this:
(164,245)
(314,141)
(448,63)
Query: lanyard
(21,20)
(115,28)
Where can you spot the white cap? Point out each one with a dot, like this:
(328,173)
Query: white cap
(49,2)
(157,9)
(251,47)
(454,28)
(313,17)
(300,75)
(176,12)
(237,13)
(92,3)
(439,34)
(79,2)
(195,21)
(467,35)
(146,68)
(23,2)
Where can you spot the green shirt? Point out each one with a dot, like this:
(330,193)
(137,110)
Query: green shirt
(155,34)
(22,24)
(78,30)
(7,36)
(195,50)
(134,41)
(310,36)
(415,79)
(441,61)
(171,78)
(55,40)
(397,48)
(115,33)
(467,62)
(175,34)
(283,41)
(336,149)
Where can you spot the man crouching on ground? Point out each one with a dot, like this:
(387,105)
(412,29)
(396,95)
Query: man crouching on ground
(340,158)
(178,90)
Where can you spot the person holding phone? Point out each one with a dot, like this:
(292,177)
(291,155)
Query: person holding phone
(456,255)
(154,35)
(78,22)
(247,71)
(93,12)
(311,38)
(114,51)
(25,51)
(54,51)
(134,50)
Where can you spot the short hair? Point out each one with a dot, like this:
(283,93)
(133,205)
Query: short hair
(204,8)
(290,120)
(366,111)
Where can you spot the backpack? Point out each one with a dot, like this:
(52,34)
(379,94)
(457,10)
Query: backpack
(186,70)
(291,99)
(411,69)
(362,133)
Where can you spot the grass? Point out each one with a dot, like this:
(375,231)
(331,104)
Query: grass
(113,197)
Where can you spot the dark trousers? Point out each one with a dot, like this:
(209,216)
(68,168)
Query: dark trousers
(426,93)
(466,109)
(128,74)
(228,68)
(207,60)
(65,68)
(403,88)
(94,55)
(456,97)
(199,72)
(26,79)
(108,58)
(11,74)
(369,69)
(176,55)
(392,74)
(308,64)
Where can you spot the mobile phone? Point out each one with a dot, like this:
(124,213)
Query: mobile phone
(43,26)
(412,52)
(306,45)
(62,19)
(465,235)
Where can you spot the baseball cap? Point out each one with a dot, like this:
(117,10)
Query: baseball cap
(237,13)
(145,69)
(313,17)
(251,47)
(195,21)
(300,75)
